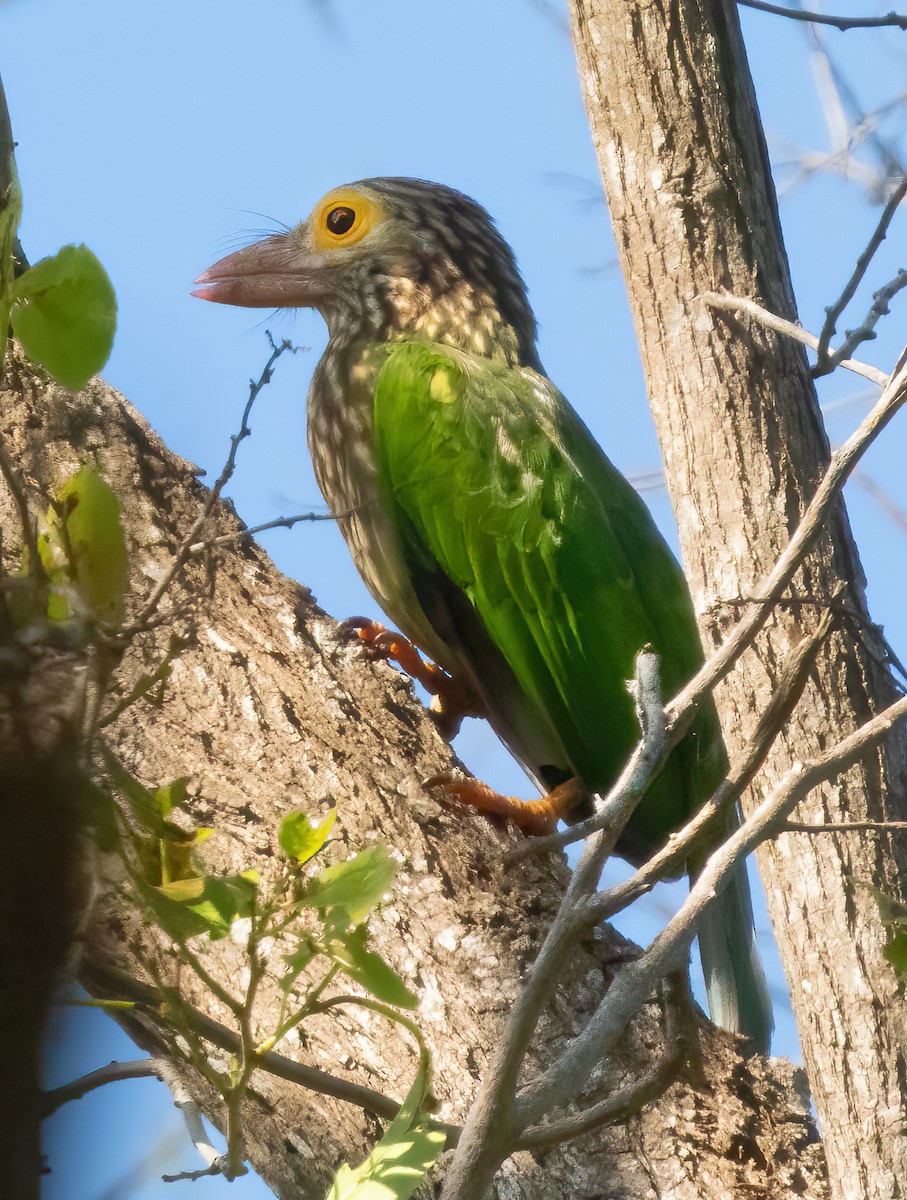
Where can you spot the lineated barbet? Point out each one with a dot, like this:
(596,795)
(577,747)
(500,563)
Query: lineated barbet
(486,521)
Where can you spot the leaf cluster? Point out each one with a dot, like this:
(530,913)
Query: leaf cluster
(318,918)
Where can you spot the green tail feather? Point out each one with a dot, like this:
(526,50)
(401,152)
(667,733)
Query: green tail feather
(734,980)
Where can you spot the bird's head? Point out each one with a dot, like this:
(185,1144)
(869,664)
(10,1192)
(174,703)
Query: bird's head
(390,258)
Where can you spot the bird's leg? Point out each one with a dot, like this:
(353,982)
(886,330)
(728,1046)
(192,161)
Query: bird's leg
(451,699)
(535,817)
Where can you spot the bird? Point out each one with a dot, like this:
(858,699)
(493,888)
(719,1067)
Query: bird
(489,525)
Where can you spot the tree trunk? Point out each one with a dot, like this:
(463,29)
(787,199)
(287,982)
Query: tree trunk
(268,709)
(685,168)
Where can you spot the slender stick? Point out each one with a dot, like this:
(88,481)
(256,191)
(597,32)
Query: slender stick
(826,362)
(840,466)
(891,20)
(730,303)
(113,1072)
(184,550)
(636,981)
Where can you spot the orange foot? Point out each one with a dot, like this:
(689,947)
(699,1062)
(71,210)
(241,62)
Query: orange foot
(533,817)
(451,700)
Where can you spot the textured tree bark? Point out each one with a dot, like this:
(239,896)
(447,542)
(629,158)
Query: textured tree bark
(268,709)
(685,168)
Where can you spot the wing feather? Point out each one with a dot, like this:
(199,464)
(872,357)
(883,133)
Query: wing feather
(500,492)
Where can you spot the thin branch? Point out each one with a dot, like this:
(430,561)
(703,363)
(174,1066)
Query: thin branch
(865,331)
(491,1128)
(625,1103)
(278,523)
(139,1068)
(729,303)
(841,464)
(673,856)
(825,362)
(184,550)
(276,1064)
(636,981)
(215,1163)
(891,20)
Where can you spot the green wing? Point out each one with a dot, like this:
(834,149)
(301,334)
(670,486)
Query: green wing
(537,564)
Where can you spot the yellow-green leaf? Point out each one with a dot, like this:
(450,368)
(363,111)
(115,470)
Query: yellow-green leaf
(369,969)
(356,885)
(64,314)
(93,540)
(300,839)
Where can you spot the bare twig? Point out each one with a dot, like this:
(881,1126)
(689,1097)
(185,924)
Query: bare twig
(826,362)
(277,523)
(215,1164)
(728,303)
(491,1128)
(184,550)
(113,1072)
(636,981)
(840,466)
(673,856)
(679,1035)
(891,20)
(865,331)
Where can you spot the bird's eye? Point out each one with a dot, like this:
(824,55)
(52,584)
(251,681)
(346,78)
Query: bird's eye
(340,220)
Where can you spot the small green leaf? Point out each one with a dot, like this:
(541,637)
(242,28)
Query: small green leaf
(171,795)
(399,1164)
(204,904)
(893,912)
(64,314)
(300,839)
(369,969)
(297,963)
(394,1170)
(356,885)
(94,543)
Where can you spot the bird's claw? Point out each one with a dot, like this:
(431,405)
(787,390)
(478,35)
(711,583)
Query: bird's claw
(531,817)
(451,700)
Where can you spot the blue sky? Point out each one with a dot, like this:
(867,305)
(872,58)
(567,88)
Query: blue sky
(157,133)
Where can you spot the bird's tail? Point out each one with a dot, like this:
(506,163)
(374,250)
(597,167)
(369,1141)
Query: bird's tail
(734,980)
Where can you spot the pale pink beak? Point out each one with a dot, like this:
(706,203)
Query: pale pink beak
(274,273)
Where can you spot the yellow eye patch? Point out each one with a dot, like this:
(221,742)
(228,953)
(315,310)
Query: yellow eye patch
(343,218)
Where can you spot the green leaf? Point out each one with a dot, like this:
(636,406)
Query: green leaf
(208,904)
(356,885)
(300,839)
(369,969)
(394,1170)
(64,314)
(893,912)
(297,963)
(171,795)
(399,1164)
(94,543)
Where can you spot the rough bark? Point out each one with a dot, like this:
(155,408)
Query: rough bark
(268,709)
(675,124)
